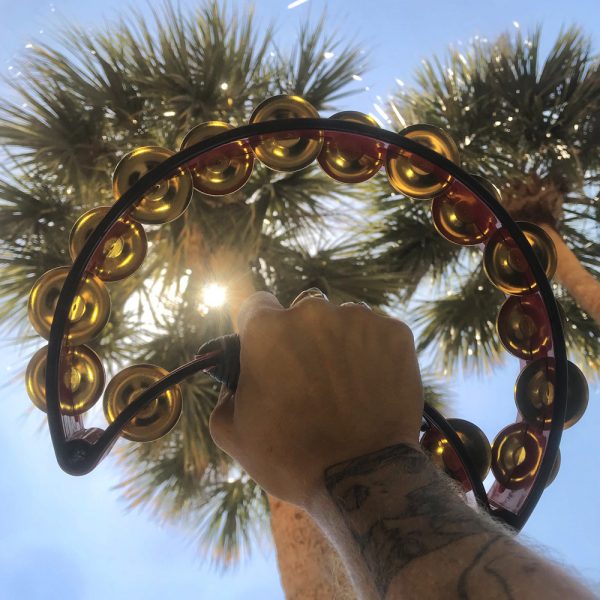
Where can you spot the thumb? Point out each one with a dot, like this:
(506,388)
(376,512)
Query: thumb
(221,420)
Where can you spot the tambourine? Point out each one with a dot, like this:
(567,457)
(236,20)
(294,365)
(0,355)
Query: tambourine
(69,306)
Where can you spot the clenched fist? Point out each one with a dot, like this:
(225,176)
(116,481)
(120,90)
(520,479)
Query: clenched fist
(319,384)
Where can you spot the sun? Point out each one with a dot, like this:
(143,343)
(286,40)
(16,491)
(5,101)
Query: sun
(214,295)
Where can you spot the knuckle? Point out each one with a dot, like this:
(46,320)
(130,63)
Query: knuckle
(402,332)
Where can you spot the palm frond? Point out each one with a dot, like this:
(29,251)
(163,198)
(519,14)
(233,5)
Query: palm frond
(528,122)
(460,338)
(581,333)
(233,520)
(342,270)
(310,74)
(405,242)
(435,390)
(501,102)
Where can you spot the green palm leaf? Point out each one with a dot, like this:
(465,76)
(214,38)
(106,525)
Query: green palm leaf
(528,123)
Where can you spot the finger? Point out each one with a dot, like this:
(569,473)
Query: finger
(309,293)
(221,420)
(253,305)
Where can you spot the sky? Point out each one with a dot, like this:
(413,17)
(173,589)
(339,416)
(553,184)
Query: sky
(71,538)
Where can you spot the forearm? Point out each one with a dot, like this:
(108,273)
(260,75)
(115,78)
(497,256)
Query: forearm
(405,532)
(304,401)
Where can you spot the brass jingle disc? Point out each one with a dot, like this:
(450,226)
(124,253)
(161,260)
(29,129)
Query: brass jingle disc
(82,379)
(460,217)
(286,151)
(506,266)
(516,456)
(534,392)
(523,327)
(123,251)
(435,444)
(222,171)
(351,158)
(169,198)
(415,177)
(154,421)
(476,445)
(89,312)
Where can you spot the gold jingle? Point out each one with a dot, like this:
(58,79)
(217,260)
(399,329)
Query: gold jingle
(152,422)
(534,392)
(123,250)
(523,327)
(516,456)
(286,151)
(460,217)
(350,158)
(506,266)
(89,312)
(578,395)
(413,176)
(82,379)
(167,200)
(476,445)
(222,171)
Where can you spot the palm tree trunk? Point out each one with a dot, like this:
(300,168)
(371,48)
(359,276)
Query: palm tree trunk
(309,567)
(573,276)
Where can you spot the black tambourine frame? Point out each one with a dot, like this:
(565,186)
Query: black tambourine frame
(78,450)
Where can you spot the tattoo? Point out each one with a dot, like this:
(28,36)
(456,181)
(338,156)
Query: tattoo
(391,526)
(400,509)
(354,498)
(463,581)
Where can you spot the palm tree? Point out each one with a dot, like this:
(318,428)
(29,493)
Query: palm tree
(85,100)
(532,128)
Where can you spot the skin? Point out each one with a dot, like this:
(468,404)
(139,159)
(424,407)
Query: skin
(326,416)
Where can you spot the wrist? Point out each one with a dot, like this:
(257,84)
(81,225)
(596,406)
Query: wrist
(352,482)
(397,509)
(340,482)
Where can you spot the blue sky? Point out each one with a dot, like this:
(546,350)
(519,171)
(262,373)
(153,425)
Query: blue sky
(70,538)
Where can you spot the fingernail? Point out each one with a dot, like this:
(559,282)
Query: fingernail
(361,303)
(309,293)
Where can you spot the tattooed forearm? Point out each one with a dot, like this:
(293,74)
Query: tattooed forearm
(391,525)
(416,537)
(479,562)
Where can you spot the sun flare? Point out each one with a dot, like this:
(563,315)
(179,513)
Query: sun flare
(214,295)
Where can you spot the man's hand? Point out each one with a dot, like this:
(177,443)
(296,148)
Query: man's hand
(319,384)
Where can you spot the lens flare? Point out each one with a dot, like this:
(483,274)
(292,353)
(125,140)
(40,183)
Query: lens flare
(214,295)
